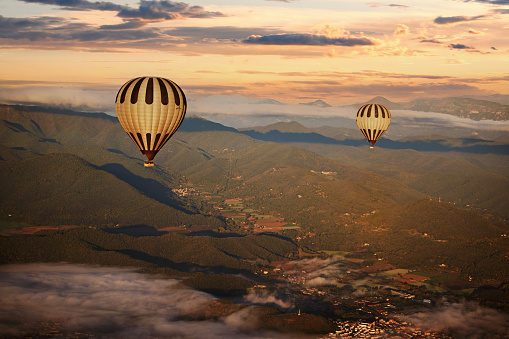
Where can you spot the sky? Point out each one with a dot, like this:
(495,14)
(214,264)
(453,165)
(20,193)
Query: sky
(80,52)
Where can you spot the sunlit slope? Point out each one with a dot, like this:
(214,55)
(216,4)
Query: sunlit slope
(304,186)
(464,171)
(432,234)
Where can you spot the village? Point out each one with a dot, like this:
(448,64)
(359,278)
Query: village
(372,301)
(233,209)
(379,294)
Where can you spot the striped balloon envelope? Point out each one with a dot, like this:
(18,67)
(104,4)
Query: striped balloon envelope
(373,120)
(150,109)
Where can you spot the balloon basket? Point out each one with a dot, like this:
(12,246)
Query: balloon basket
(149,164)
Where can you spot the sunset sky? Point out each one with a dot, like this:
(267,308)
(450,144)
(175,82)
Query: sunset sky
(79,52)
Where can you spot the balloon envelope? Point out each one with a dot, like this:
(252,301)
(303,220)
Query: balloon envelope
(150,109)
(373,120)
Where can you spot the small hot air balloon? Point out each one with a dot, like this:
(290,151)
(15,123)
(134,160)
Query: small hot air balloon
(150,109)
(373,120)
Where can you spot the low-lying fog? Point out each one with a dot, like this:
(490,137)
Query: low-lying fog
(117,302)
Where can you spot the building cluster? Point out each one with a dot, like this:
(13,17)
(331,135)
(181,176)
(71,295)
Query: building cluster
(381,329)
(184,191)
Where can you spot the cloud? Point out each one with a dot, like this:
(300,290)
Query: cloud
(432,41)
(466,320)
(378,4)
(165,10)
(241,112)
(402,30)
(490,2)
(307,40)
(460,46)
(62,95)
(80,4)
(320,271)
(147,10)
(111,302)
(455,19)
(263,297)
(133,24)
(51,33)
(218,33)
(474,31)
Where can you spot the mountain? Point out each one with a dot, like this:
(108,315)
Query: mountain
(270,102)
(317,103)
(499,98)
(474,108)
(461,107)
(283,127)
(176,254)
(382,101)
(60,168)
(439,235)
(64,189)
(464,171)
(284,132)
(204,152)
(75,169)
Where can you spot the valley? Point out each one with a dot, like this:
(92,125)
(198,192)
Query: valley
(288,219)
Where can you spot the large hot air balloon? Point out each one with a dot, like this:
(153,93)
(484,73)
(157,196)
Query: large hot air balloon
(373,120)
(150,109)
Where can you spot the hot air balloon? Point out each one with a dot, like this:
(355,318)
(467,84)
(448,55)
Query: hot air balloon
(150,109)
(373,120)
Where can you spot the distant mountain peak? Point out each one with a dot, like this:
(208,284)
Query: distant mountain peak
(270,102)
(380,100)
(317,103)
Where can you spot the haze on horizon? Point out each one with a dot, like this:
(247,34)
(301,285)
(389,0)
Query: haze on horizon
(78,53)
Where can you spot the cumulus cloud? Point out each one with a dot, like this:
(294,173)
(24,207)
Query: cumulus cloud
(111,302)
(307,39)
(466,320)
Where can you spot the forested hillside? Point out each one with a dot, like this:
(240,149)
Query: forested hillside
(68,168)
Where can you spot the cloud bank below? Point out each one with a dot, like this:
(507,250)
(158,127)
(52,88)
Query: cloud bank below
(111,302)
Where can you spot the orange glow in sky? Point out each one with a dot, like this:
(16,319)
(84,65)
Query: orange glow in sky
(292,51)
